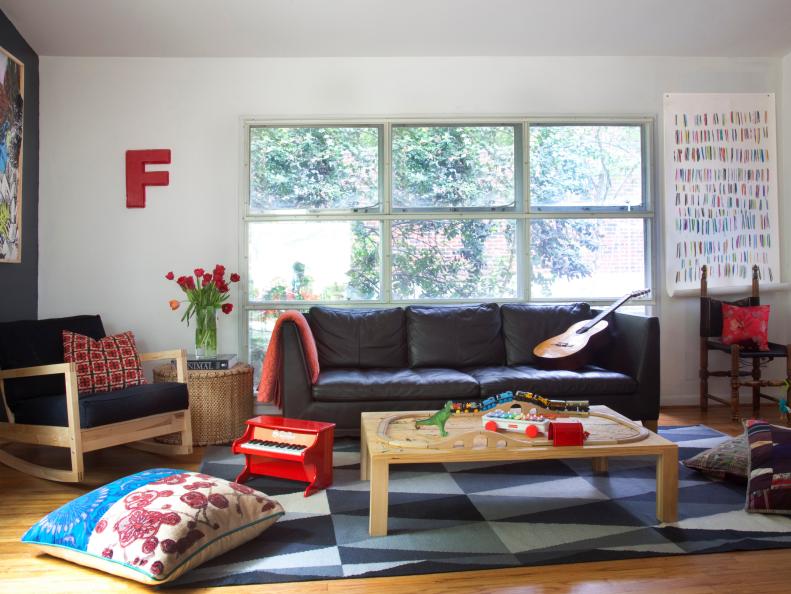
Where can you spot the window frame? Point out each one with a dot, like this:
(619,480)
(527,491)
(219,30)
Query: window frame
(522,212)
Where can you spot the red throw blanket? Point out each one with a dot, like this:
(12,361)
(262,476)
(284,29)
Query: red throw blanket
(269,389)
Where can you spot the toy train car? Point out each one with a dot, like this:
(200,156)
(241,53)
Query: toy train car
(553,405)
(474,406)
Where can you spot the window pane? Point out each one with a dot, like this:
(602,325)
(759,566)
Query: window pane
(585,166)
(314,261)
(587,258)
(453,166)
(458,259)
(302,168)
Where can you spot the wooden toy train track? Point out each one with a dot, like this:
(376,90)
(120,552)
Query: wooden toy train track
(465,431)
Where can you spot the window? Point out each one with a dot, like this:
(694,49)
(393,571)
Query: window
(453,259)
(453,166)
(584,167)
(313,168)
(393,212)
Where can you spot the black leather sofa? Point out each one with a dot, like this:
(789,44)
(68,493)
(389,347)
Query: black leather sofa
(418,357)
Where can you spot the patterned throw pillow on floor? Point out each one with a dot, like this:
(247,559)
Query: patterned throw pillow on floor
(769,483)
(727,460)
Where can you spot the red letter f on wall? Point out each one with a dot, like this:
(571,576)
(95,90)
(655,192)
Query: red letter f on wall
(137,178)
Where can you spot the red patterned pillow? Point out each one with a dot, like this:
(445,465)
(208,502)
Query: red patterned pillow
(103,365)
(745,326)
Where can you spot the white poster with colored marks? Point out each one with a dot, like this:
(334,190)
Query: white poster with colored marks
(720,160)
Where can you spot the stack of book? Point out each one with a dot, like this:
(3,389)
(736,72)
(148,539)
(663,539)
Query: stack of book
(211,363)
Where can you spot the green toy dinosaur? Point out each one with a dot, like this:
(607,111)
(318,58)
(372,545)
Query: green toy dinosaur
(438,418)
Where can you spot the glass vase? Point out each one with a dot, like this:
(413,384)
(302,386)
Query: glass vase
(205,331)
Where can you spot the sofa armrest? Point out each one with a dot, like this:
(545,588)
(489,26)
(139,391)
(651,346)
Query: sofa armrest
(180,356)
(294,376)
(634,351)
(69,371)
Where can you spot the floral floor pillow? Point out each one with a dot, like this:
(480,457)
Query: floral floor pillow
(155,525)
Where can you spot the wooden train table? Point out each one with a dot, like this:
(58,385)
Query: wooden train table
(392,438)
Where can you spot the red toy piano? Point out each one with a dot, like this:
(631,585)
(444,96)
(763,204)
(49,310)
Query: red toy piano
(287,448)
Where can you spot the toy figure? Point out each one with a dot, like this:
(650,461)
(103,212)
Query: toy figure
(438,418)
(784,411)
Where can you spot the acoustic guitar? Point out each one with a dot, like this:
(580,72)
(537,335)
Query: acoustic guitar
(572,349)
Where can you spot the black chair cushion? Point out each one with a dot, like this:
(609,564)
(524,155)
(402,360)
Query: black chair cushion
(456,337)
(28,343)
(589,380)
(775,349)
(524,326)
(105,407)
(354,385)
(359,338)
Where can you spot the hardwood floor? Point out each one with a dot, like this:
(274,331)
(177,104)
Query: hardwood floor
(23,500)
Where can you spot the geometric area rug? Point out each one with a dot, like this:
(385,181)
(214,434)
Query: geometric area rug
(465,516)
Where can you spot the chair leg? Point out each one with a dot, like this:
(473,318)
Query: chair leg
(735,382)
(75,431)
(756,387)
(703,374)
(186,435)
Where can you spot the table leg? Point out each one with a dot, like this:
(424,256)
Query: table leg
(599,465)
(364,462)
(667,485)
(377,520)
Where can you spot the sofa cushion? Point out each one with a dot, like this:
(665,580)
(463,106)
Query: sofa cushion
(589,380)
(359,338)
(456,337)
(105,407)
(352,385)
(524,326)
(39,342)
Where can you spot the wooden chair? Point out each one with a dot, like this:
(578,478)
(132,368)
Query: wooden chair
(37,411)
(710,340)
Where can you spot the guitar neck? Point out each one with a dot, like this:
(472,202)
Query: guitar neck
(608,311)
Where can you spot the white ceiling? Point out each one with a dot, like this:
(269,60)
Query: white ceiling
(279,28)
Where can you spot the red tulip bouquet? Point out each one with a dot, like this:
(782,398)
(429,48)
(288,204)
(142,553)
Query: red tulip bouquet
(206,293)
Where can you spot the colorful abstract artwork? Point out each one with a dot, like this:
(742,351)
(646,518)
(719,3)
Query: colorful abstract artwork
(12,84)
(720,159)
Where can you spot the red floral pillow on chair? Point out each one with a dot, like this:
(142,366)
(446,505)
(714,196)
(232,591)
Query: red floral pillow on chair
(746,326)
(104,365)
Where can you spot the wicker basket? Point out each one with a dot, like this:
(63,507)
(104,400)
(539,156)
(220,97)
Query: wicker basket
(220,402)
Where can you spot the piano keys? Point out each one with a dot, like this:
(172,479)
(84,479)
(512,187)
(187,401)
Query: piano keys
(287,448)
(274,446)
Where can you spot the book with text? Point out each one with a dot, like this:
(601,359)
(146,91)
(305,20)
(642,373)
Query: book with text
(212,363)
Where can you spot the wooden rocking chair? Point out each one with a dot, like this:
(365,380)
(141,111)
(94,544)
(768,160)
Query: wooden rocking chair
(40,403)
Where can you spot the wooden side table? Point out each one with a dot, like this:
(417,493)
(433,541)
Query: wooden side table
(220,402)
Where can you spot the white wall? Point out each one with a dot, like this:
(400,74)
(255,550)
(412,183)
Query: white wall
(98,256)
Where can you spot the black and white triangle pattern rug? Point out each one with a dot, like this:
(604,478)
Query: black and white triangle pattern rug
(464,516)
